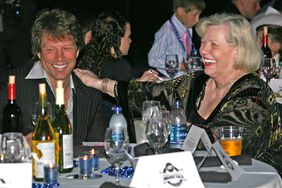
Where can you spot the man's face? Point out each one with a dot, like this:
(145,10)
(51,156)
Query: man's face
(249,8)
(58,56)
(189,19)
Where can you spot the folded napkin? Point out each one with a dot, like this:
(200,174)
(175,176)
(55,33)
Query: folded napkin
(144,149)
(214,161)
(111,185)
(215,177)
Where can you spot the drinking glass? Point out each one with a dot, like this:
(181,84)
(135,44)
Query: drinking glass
(14,148)
(151,109)
(36,110)
(231,139)
(171,65)
(116,148)
(166,119)
(194,64)
(157,135)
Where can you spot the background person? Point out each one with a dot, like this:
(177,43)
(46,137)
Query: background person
(176,35)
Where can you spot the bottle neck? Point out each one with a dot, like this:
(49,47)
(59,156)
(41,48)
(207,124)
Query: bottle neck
(12,93)
(265,40)
(43,104)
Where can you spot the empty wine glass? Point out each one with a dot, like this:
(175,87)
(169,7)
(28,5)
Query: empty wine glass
(171,65)
(166,119)
(36,110)
(116,148)
(157,134)
(194,62)
(14,148)
(150,110)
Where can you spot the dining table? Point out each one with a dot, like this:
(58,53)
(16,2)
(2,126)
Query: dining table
(258,174)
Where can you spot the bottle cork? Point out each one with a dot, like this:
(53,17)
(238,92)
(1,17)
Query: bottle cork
(42,88)
(12,79)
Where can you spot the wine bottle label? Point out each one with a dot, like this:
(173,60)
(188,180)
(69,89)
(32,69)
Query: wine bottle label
(68,150)
(47,150)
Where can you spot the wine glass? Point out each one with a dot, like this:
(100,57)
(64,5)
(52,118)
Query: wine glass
(14,148)
(36,110)
(157,134)
(171,65)
(194,63)
(269,69)
(116,148)
(150,110)
(166,119)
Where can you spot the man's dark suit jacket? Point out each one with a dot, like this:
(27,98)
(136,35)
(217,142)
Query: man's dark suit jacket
(88,123)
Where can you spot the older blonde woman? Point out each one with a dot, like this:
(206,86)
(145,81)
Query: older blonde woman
(229,92)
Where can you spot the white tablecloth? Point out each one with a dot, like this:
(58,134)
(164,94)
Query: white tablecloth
(259,175)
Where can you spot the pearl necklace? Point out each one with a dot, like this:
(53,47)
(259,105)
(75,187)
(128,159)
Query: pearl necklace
(228,83)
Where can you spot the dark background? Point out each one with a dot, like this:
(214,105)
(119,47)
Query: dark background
(145,16)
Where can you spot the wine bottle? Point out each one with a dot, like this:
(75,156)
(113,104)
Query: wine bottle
(266,52)
(12,115)
(43,138)
(63,132)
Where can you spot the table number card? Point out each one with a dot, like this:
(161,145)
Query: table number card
(231,167)
(193,138)
(171,170)
(15,175)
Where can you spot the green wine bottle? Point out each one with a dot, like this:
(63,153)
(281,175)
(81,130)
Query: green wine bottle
(63,132)
(43,138)
(12,115)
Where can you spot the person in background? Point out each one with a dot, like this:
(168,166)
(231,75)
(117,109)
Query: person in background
(228,92)
(272,16)
(104,53)
(56,41)
(176,35)
(274,40)
(86,27)
(16,18)
(246,8)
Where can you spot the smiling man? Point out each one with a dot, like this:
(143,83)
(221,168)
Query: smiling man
(56,41)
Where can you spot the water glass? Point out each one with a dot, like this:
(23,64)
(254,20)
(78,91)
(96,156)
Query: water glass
(36,110)
(14,148)
(157,135)
(231,139)
(171,65)
(194,64)
(151,109)
(116,146)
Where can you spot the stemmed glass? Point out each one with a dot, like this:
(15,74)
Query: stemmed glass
(116,145)
(269,69)
(151,109)
(171,65)
(157,134)
(14,148)
(36,110)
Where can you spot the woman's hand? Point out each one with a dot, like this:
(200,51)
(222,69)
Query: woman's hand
(88,78)
(149,76)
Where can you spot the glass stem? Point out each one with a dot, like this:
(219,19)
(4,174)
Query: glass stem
(117,174)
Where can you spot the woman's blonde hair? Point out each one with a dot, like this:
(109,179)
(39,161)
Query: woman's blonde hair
(241,34)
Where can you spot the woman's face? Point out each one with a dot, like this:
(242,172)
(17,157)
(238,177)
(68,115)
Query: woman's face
(125,40)
(218,55)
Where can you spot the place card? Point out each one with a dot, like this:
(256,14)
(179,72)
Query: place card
(172,170)
(276,85)
(193,138)
(230,166)
(15,175)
